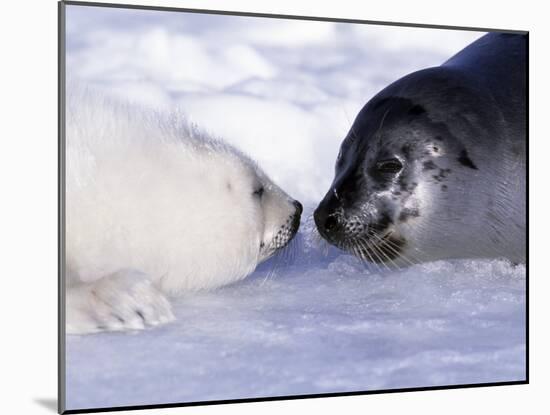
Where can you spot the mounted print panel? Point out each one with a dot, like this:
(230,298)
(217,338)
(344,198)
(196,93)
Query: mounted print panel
(258,207)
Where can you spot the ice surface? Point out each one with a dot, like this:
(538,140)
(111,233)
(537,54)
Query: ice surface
(308,321)
(319,323)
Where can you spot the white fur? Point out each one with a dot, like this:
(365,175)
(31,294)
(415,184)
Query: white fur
(150,197)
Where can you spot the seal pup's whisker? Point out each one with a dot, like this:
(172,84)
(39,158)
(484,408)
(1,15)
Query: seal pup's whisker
(269,274)
(296,246)
(290,252)
(286,255)
(274,264)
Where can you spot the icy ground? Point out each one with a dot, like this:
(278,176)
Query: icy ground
(286,92)
(320,323)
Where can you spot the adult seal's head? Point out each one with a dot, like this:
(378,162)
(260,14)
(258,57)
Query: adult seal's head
(434,165)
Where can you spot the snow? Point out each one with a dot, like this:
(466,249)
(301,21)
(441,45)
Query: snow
(313,320)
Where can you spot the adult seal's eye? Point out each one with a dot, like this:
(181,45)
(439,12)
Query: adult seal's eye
(389,166)
(259,192)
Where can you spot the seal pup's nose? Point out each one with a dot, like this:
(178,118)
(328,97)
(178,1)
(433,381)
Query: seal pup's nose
(298,206)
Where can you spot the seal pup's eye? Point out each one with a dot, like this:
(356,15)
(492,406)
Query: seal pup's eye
(259,192)
(392,165)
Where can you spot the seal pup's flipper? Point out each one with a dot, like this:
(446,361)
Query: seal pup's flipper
(123,300)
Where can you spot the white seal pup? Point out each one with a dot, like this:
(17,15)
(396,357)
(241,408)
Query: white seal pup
(434,166)
(154,208)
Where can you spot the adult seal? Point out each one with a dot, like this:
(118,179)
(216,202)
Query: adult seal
(434,166)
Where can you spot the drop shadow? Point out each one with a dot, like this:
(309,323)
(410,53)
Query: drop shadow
(48,403)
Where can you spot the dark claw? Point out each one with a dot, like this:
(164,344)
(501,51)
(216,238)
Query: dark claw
(140,313)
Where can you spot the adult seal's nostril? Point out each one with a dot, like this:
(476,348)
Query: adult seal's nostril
(330,224)
(299,207)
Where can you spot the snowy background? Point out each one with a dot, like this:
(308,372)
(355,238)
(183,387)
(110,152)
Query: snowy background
(316,321)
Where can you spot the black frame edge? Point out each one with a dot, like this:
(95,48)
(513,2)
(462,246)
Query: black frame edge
(290,397)
(61,207)
(527,139)
(289,17)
